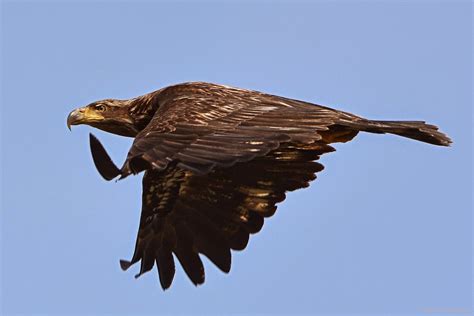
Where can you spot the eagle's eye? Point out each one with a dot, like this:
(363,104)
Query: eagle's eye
(99,108)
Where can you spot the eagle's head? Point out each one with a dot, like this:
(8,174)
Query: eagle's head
(109,115)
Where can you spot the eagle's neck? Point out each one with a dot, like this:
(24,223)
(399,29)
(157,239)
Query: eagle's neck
(143,108)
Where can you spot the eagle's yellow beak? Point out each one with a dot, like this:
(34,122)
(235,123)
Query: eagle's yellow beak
(83,115)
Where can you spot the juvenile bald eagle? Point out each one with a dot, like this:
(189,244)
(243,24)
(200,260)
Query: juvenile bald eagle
(217,160)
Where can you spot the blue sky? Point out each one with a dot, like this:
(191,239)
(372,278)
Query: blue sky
(386,227)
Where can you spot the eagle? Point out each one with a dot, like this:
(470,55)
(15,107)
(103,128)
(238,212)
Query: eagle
(217,160)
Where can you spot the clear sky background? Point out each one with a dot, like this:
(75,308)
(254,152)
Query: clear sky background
(386,228)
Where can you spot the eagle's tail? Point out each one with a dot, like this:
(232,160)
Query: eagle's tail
(418,130)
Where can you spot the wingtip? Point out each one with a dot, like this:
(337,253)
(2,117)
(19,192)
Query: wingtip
(198,283)
(124,264)
(107,169)
(226,269)
(165,287)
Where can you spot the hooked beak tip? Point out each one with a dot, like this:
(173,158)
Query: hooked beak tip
(74,118)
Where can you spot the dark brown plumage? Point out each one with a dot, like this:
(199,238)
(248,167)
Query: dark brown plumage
(217,160)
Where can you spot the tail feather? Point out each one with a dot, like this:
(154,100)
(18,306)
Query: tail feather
(418,130)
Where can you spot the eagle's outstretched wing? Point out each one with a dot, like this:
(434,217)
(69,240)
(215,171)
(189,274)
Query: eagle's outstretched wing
(217,127)
(187,214)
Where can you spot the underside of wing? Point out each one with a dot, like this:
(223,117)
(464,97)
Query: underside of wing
(185,214)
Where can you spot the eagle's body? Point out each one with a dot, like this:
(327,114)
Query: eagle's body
(217,160)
